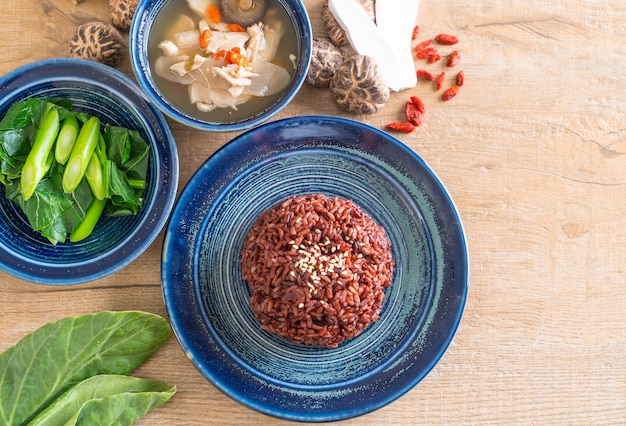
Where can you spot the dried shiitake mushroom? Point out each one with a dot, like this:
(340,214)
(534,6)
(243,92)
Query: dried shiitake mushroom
(243,12)
(358,87)
(325,59)
(122,12)
(336,34)
(98,41)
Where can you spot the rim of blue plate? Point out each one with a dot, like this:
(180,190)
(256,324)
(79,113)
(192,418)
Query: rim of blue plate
(233,373)
(67,264)
(140,28)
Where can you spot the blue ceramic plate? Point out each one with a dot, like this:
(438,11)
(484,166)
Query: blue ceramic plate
(207,300)
(113,97)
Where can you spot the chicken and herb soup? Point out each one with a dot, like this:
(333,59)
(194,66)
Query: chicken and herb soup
(223,60)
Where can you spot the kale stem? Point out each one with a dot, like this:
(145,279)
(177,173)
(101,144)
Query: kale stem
(81,153)
(38,161)
(92,215)
(66,139)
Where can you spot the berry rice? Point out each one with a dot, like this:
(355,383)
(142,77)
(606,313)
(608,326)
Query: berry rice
(317,268)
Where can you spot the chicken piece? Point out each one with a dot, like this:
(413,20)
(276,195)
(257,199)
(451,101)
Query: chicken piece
(169,48)
(235,75)
(185,67)
(226,41)
(272,33)
(187,39)
(208,24)
(257,43)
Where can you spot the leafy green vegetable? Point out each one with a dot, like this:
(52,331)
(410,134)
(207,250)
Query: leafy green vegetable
(48,361)
(50,210)
(104,399)
(121,409)
(114,162)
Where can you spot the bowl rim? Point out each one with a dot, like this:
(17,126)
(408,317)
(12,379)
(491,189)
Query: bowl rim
(182,310)
(138,40)
(59,73)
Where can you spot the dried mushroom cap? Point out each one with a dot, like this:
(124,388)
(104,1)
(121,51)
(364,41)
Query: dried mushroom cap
(358,87)
(336,34)
(98,41)
(325,59)
(122,12)
(243,12)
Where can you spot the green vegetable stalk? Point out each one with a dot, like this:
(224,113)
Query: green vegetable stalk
(56,367)
(95,178)
(39,158)
(66,139)
(81,153)
(89,222)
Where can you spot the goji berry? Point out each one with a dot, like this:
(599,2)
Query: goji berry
(413,115)
(446,39)
(220,55)
(425,74)
(460,78)
(450,93)
(434,58)
(400,127)
(423,45)
(234,56)
(419,104)
(454,58)
(205,38)
(425,53)
(416,32)
(236,28)
(439,80)
(214,14)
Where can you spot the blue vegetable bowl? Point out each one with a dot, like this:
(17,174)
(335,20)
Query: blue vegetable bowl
(116,241)
(208,302)
(293,54)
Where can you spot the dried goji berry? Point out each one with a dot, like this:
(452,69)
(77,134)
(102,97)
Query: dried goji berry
(416,32)
(413,115)
(434,58)
(214,14)
(450,93)
(419,104)
(446,39)
(400,127)
(460,78)
(422,45)
(234,56)
(236,28)
(425,53)
(454,58)
(425,74)
(439,80)
(205,38)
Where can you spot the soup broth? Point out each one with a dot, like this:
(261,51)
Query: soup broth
(167,24)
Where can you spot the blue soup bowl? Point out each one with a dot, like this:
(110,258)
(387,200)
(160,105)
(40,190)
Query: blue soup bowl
(208,302)
(143,48)
(116,241)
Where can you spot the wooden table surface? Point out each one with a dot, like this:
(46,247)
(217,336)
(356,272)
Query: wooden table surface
(532,150)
